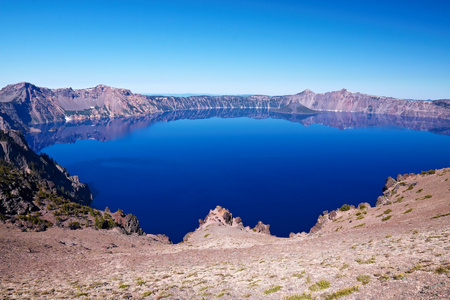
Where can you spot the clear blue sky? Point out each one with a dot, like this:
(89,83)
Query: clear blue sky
(392,48)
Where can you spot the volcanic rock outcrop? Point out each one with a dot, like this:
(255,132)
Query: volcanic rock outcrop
(222,223)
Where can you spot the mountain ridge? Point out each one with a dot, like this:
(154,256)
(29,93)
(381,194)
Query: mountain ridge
(23,105)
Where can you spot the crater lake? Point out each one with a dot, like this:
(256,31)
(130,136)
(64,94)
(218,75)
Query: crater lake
(285,170)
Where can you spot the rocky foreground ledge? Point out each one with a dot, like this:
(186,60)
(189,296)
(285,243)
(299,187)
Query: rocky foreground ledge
(397,250)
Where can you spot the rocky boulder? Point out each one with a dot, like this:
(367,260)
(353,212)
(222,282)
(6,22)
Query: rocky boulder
(128,223)
(262,228)
(390,182)
(131,225)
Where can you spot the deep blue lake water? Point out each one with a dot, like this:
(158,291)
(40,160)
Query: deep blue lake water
(169,174)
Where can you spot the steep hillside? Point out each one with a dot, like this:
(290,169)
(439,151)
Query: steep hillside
(15,154)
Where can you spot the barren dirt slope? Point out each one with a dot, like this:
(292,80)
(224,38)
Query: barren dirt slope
(395,251)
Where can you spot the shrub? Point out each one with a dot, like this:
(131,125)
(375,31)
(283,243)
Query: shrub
(425,197)
(344,207)
(102,223)
(386,218)
(74,225)
(34,220)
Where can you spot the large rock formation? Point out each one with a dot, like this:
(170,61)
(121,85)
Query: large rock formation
(219,220)
(22,105)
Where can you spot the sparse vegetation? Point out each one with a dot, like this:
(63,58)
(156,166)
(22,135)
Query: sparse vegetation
(33,219)
(140,281)
(386,218)
(105,221)
(408,211)
(364,279)
(299,275)
(425,197)
(273,289)
(320,285)
(81,295)
(410,187)
(299,297)
(442,269)
(367,261)
(440,216)
(344,207)
(342,292)
(74,225)
(360,225)
(399,276)
(399,200)
(146,294)
(428,172)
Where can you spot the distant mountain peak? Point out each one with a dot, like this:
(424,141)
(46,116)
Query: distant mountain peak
(307,91)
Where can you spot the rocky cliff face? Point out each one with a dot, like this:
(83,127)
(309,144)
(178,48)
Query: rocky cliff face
(15,152)
(22,105)
(31,185)
(345,101)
